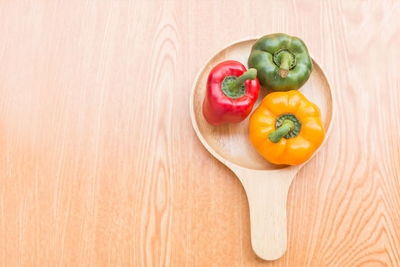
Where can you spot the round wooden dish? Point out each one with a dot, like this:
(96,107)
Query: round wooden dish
(265,184)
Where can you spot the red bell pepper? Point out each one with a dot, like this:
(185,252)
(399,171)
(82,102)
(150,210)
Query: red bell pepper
(231,93)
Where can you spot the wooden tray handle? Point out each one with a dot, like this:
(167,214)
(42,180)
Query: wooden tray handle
(267,194)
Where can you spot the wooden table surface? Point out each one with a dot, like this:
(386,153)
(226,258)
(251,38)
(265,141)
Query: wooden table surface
(100,166)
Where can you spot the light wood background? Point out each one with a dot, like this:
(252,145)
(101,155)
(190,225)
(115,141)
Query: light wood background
(100,166)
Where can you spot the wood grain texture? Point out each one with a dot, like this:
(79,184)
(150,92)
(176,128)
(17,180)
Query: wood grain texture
(99,163)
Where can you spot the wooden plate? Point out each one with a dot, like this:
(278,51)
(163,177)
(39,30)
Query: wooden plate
(266,185)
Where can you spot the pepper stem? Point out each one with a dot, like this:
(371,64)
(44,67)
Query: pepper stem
(233,86)
(250,74)
(286,61)
(283,130)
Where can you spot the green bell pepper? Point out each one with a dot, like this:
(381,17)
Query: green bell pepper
(282,62)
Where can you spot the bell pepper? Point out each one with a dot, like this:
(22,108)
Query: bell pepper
(231,93)
(286,128)
(282,62)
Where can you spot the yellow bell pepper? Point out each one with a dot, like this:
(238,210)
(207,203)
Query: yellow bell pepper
(286,128)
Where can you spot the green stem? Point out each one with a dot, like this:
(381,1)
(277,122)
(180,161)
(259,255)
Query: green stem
(286,61)
(283,130)
(233,87)
(250,74)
